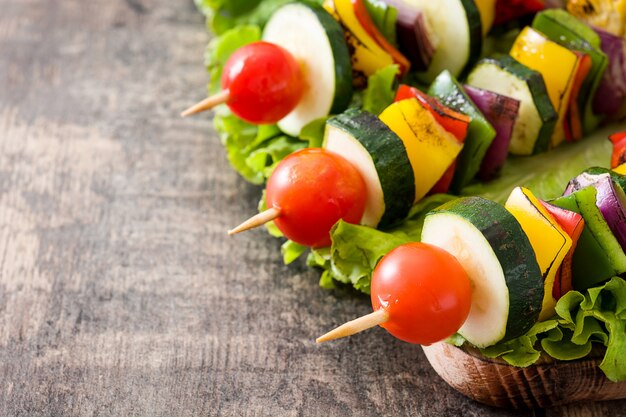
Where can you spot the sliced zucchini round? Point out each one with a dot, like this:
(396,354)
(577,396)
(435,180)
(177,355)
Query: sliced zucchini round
(381,158)
(537,118)
(459,34)
(316,40)
(507,286)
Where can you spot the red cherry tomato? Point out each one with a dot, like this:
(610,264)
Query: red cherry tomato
(425,291)
(264,82)
(314,188)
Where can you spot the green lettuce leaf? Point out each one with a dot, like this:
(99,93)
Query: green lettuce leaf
(381,89)
(223,15)
(291,251)
(221,48)
(313,132)
(356,249)
(253,151)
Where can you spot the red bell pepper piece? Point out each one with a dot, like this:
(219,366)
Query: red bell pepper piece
(452,121)
(572,223)
(619,149)
(366,22)
(572,122)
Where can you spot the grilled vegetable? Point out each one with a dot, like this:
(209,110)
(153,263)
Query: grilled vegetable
(549,241)
(561,27)
(480,134)
(430,148)
(558,66)
(502,112)
(598,255)
(537,118)
(381,158)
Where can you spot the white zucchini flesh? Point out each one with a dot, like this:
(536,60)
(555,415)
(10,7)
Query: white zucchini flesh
(487,320)
(450,28)
(341,142)
(296,28)
(528,123)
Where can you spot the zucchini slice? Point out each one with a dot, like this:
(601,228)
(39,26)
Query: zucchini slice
(316,40)
(459,34)
(381,157)
(507,287)
(537,117)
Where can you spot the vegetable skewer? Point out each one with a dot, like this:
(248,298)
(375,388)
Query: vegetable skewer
(355,326)
(257,220)
(207,104)
(535,110)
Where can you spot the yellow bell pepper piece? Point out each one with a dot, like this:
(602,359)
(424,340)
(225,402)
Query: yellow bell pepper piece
(367,56)
(558,66)
(549,241)
(620,169)
(430,148)
(609,15)
(487,9)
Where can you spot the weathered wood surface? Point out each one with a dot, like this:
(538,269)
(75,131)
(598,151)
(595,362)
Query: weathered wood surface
(120,293)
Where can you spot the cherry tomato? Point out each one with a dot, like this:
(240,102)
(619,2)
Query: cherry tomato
(264,82)
(425,291)
(314,188)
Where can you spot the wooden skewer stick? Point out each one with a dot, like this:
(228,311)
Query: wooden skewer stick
(208,103)
(257,220)
(355,326)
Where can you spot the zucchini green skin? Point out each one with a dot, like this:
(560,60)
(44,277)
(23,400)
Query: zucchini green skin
(390,160)
(475,32)
(480,133)
(563,28)
(465,52)
(537,87)
(341,57)
(515,254)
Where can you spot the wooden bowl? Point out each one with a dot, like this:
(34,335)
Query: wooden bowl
(547,383)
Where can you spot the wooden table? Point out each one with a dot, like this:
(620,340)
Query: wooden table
(120,293)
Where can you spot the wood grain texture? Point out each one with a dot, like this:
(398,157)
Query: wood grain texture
(546,383)
(120,293)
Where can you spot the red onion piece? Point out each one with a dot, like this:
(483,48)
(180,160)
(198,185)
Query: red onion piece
(610,199)
(501,111)
(611,94)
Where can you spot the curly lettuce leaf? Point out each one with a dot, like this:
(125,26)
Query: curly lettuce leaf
(221,48)
(223,15)
(253,151)
(381,89)
(292,251)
